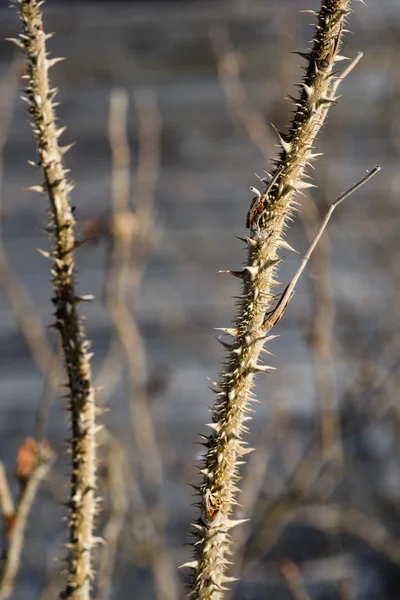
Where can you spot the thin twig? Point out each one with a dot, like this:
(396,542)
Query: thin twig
(132,238)
(117,491)
(291,573)
(228,64)
(16,534)
(287,295)
(132,233)
(6,500)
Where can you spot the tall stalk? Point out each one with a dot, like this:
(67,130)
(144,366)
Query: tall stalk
(57,186)
(267,220)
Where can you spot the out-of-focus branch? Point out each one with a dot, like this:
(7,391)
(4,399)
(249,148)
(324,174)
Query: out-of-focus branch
(132,237)
(290,572)
(6,500)
(229,67)
(28,322)
(333,518)
(151,544)
(148,542)
(33,464)
(117,493)
(132,234)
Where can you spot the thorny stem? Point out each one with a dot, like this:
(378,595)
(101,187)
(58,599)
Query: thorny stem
(40,98)
(267,219)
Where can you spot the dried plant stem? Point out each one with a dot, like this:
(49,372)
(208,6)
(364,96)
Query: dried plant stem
(267,220)
(322,329)
(16,527)
(40,98)
(132,238)
(229,73)
(284,300)
(21,303)
(6,502)
(112,532)
(322,341)
(291,573)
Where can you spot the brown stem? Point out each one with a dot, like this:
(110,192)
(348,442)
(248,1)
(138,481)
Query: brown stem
(267,220)
(40,98)
(16,527)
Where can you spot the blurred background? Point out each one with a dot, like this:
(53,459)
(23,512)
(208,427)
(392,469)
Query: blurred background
(169,104)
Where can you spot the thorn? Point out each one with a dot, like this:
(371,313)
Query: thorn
(35,188)
(284,244)
(327,102)
(228,330)
(228,347)
(285,145)
(303,185)
(230,523)
(194,564)
(65,149)
(215,427)
(60,131)
(247,240)
(238,274)
(308,90)
(16,42)
(268,338)
(54,61)
(258,368)
(45,253)
(86,298)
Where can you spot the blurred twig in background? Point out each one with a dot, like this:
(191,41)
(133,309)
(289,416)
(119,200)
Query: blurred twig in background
(33,463)
(132,236)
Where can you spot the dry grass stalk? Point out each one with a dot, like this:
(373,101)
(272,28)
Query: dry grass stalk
(33,464)
(40,98)
(267,220)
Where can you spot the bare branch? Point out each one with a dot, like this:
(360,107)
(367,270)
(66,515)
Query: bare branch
(43,459)
(287,295)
